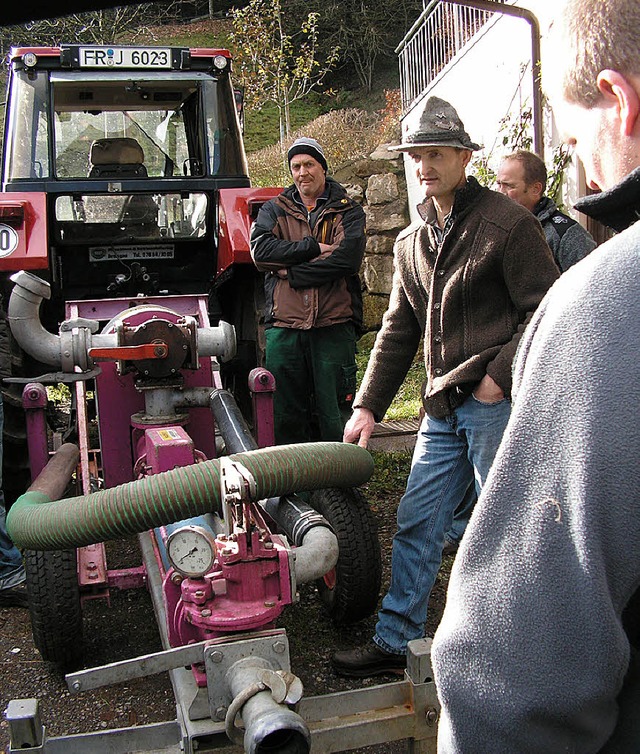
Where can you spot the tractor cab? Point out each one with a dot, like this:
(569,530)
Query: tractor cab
(114,157)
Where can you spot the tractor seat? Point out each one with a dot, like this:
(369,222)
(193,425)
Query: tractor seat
(116,158)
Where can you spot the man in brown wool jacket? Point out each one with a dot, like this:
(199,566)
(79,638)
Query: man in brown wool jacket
(468,277)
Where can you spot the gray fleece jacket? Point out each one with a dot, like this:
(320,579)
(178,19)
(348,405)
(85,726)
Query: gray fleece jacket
(533,653)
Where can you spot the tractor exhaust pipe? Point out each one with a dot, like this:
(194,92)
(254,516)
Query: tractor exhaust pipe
(270,727)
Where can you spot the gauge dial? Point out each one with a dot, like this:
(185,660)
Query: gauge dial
(191,551)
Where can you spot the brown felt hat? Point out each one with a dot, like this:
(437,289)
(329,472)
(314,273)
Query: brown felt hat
(439,126)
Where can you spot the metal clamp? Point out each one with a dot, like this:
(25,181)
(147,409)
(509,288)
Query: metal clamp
(237,486)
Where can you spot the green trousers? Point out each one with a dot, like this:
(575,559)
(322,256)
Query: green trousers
(315,373)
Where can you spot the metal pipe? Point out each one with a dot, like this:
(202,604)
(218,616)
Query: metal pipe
(180,493)
(270,727)
(317,555)
(70,349)
(54,478)
(532,20)
(24,320)
(317,548)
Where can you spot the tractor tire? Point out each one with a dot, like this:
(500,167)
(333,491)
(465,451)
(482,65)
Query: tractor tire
(242,304)
(350,591)
(54,604)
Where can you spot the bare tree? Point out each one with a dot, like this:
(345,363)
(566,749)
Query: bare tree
(272,65)
(98,27)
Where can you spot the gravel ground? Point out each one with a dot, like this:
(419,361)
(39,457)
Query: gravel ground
(127,629)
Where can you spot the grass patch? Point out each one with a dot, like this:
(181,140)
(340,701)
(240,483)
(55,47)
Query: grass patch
(262,127)
(408,400)
(389,474)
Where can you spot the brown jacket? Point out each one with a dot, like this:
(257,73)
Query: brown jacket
(318,290)
(470,297)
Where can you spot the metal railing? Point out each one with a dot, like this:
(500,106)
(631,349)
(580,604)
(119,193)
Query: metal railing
(442,30)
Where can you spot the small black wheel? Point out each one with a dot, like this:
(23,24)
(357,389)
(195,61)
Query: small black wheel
(54,604)
(350,591)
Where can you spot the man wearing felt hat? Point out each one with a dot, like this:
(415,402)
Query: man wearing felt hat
(309,241)
(468,277)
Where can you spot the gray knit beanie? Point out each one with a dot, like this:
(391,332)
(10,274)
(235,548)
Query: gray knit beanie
(307,145)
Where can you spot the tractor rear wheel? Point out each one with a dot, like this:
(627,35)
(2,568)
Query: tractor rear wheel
(350,591)
(54,604)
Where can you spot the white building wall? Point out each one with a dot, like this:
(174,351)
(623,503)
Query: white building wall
(491,81)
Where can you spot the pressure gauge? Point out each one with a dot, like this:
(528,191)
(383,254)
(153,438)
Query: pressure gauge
(191,550)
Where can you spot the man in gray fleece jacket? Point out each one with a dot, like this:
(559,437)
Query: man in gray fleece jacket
(538,647)
(467,278)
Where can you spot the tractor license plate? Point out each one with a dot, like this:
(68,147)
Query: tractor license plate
(130,253)
(125,57)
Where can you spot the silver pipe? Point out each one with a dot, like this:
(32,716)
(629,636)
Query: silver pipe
(70,348)
(317,554)
(24,320)
(269,726)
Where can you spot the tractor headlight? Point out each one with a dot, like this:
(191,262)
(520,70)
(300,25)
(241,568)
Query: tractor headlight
(220,62)
(29,59)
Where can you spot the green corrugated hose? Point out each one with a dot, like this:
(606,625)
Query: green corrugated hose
(37,523)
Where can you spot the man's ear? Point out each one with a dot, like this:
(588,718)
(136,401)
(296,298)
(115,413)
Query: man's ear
(620,92)
(538,188)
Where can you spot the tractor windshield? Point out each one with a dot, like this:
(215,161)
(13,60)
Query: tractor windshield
(117,125)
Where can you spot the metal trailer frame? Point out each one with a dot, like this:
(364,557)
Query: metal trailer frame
(406,709)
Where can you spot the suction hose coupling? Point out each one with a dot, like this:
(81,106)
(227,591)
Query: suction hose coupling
(262,694)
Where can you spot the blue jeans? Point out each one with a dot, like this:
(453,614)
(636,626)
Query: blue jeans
(11,567)
(461,516)
(450,455)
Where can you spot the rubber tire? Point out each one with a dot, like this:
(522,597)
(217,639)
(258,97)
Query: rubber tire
(54,604)
(350,591)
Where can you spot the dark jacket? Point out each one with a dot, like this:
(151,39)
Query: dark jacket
(569,241)
(470,296)
(316,292)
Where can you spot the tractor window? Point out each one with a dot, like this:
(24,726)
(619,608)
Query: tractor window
(226,152)
(27,135)
(118,218)
(96,117)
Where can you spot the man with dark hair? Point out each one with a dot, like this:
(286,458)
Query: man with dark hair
(468,276)
(309,241)
(522,176)
(537,650)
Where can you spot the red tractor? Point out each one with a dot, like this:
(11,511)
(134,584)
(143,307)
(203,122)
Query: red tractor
(124,236)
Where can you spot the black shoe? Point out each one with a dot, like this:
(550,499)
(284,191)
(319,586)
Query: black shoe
(362,662)
(450,548)
(15,596)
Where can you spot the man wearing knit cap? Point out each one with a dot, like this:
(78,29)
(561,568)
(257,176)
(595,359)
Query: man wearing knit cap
(468,277)
(309,241)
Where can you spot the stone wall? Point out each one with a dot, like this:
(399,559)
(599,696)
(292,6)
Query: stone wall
(379,184)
